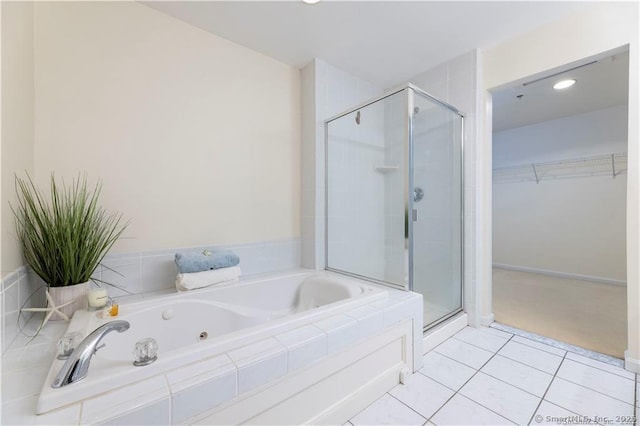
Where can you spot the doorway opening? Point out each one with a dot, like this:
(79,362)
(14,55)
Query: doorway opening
(559,204)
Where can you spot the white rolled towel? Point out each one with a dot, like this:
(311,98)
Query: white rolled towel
(194,280)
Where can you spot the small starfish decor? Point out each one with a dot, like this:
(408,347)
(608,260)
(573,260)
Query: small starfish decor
(50,309)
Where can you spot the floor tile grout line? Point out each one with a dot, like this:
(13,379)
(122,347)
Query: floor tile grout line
(601,369)
(559,406)
(474,345)
(511,384)
(449,358)
(577,384)
(446,386)
(550,383)
(553,376)
(540,343)
(497,353)
(484,329)
(573,360)
(635,401)
(467,381)
(564,346)
(466,365)
(547,390)
(526,365)
(475,402)
(593,390)
(459,340)
(426,419)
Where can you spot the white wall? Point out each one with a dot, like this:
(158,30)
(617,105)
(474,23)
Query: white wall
(594,33)
(196,139)
(572,226)
(17,117)
(583,135)
(17,155)
(569,226)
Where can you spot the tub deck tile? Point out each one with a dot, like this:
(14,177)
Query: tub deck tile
(156,413)
(395,310)
(192,399)
(201,371)
(259,363)
(127,399)
(341,331)
(305,345)
(23,412)
(370,320)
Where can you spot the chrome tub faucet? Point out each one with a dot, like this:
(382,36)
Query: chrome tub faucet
(76,367)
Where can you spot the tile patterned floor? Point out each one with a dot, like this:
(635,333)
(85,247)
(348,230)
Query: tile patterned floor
(491,377)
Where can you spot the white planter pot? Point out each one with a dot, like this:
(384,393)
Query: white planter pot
(76,293)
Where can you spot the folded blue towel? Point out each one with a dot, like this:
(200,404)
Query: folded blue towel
(193,261)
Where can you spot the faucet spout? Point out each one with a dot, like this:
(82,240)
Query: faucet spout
(77,366)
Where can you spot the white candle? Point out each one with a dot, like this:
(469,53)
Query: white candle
(98,298)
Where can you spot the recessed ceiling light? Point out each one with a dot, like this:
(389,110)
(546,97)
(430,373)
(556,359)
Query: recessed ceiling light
(563,84)
(311,1)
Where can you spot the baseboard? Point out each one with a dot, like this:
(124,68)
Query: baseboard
(487,320)
(443,331)
(631,364)
(560,274)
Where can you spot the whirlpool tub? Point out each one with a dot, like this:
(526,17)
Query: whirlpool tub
(244,334)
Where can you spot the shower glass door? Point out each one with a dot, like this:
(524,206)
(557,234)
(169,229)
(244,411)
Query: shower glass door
(435,253)
(367,180)
(394,197)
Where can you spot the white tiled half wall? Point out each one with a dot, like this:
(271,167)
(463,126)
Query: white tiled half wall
(140,274)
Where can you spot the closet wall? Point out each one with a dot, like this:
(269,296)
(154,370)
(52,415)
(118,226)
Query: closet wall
(574,225)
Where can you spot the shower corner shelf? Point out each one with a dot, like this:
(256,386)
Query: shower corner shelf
(384,169)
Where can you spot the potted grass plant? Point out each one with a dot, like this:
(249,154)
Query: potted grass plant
(64,236)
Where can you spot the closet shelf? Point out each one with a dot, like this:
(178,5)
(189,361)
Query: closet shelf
(599,165)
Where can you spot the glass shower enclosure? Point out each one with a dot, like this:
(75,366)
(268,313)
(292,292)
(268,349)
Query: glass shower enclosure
(394,197)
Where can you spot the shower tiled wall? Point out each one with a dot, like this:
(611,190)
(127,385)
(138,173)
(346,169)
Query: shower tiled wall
(356,192)
(326,91)
(457,83)
(17,291)
(140,274)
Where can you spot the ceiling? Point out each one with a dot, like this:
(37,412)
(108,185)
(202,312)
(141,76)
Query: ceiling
(600,85)
(384,42)
(389,42)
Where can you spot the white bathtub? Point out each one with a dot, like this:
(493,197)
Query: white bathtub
(230,316)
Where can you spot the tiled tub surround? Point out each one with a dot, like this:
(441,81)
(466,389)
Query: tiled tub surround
(232,315)
(19,290)
(142,275)
(155,271)
(268,367)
